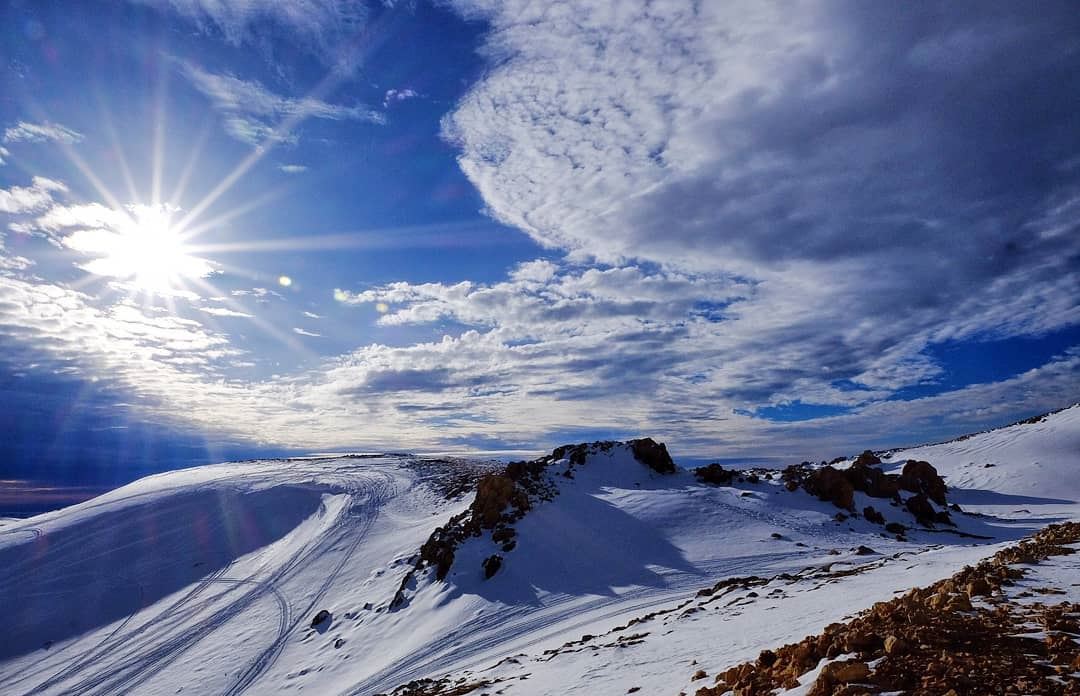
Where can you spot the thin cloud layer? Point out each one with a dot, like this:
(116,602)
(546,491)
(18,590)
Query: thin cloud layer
(317,25)
(253,114)
(26,132)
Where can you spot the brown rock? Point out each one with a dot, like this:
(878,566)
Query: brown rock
(867,458)
(653,455)
(830,484)
(715,474)
(921,508)
(978,587)
(895,646)
(921,477)
(837,673)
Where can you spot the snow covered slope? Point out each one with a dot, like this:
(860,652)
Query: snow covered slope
(1029,470)
(207,580)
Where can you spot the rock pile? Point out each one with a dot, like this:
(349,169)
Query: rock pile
(935,641)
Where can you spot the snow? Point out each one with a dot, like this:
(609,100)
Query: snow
(1028,471)
(206,580)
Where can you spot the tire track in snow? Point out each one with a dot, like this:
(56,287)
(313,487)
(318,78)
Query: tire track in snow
(145,664)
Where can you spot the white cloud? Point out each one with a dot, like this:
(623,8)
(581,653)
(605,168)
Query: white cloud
(25,132)
(396,96)
(312,315)
(768,142)
(4,153)
(225,312)
(302,332)
(254,115)
(293,168)
(25,199)
(320,26)
(261,295)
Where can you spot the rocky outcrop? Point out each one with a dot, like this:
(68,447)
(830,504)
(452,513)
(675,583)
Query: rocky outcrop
(921,477)
(714,474)
(491,566)
(832,485)
(653,455)
(839,486)
(504,497)
(871,480)
(935,641)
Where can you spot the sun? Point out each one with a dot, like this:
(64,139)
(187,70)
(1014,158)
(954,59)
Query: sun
(144,249)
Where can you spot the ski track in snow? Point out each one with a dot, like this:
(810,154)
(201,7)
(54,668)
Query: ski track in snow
(245,617)
(169,633)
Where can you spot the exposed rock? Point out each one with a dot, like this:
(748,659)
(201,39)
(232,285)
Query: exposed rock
(895,528)
(921,477)
(836,673)
(979,587)
(873,515)
(830,484)
(936,641)
(491,566)
(493,494)
(653,455)
(864,551)
(867,458)
(921,508)
(320,618)
(715,474)
(872,481)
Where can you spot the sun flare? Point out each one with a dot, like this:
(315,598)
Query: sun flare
(144,249)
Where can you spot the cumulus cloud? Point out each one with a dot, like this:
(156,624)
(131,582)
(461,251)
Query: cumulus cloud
(4,153)
(25,132)
(255,115)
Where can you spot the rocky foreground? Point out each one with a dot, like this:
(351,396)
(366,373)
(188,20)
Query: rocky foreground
(958,637)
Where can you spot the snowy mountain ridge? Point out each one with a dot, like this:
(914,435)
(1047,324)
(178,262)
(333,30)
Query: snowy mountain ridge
(207,580)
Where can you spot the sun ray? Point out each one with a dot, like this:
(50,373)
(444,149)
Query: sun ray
(453,234)
(284,337)
(193,159)
(114,143)
(157,163)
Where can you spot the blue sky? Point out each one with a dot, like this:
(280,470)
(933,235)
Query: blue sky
(752,230)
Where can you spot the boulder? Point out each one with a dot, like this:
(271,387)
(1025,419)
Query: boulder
(872,481)
(867,458)
(653,455)
(832,485)
(873,515)
(715,474)
(838,673)
(921,508)
(921,477)
(323,616)
(491,566)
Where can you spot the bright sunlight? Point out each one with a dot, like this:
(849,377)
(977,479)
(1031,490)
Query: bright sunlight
(143,248)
